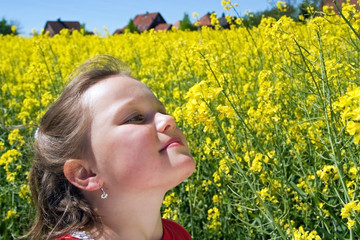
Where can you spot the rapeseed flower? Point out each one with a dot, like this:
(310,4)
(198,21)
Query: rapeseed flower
(266,110)
(349,208)
(213,217)
(10,213)
(301,234)
(281,5)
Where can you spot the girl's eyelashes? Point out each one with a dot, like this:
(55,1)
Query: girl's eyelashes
(138,118)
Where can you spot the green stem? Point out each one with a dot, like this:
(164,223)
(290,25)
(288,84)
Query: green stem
(329,122)
(267,213)
(347,21)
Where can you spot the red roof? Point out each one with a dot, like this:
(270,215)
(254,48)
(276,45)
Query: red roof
(119,30)
(163,26)
(340,2)
(147,21)
(205,20)
(177,24)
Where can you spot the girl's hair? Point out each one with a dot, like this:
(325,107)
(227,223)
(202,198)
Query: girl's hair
(64,134)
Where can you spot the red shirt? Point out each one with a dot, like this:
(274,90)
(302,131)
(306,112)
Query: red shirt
(172,231)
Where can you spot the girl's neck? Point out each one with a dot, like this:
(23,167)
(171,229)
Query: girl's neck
(135,216)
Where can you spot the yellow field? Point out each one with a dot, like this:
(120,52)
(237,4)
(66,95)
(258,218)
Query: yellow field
(272,116)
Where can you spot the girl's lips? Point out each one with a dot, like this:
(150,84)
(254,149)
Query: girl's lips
(173,142)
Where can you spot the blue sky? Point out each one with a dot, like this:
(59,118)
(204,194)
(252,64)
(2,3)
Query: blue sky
(113,14)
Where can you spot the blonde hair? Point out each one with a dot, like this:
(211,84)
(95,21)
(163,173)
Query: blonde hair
(64,134)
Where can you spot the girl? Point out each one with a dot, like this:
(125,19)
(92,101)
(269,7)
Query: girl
(106,153)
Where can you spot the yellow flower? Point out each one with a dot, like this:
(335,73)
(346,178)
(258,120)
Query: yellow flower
(205,185)
(24,192)
(15,137)
(349,107)
(195,15)
(10,176)
(213,217)
(353,128)
(350,223)
(350,207)
(216,199)
(281,5)
(256,165)
(13,28)
(170,198)
(167,213)
(227,4)
(329,10)
(310,9)
(9,156)
(214,20)
(10,213)
(301,234)
(328,172)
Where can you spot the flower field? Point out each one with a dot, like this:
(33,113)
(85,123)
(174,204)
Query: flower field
(272,116)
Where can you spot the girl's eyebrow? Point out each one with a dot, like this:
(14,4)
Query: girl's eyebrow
(121,109)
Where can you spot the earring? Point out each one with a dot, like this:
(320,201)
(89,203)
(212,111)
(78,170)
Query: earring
(103,195)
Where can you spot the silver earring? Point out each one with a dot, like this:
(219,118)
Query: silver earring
(103,195)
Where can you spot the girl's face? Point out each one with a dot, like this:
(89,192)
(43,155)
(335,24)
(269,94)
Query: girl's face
(135,144)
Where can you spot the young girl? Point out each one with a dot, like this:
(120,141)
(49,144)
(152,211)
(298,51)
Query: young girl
(106,153)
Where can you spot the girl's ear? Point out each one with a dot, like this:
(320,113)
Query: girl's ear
(79,174)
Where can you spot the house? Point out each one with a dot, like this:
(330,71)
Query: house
(163,27)
(177,24)
(340,2)
(54,27)
(144,22)
(224,23)
(148,21)
(206,21)
(119,30)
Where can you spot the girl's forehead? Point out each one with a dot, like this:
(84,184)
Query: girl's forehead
(118,85)
(119,89)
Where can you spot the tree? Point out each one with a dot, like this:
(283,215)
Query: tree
(254,19)
(6,28)
(86,32)
(185,23)
(292,10)
(307,5)
(131,27)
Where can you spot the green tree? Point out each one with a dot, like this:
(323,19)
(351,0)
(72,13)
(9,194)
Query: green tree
(6,28)
(131,27)
(185,23)
(293,10)
(305,5)
(254,19)
(86,32)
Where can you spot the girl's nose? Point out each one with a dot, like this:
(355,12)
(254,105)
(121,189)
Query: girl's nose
(164,122)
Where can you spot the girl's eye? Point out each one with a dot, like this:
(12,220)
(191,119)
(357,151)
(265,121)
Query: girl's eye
(136,119)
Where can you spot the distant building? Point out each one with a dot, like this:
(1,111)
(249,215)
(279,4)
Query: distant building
(119,30)
(144,22)
(205,20)
(163,26)
(177,24)
(54,27)
(224,23)
(340,2)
